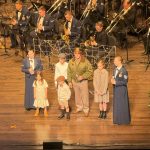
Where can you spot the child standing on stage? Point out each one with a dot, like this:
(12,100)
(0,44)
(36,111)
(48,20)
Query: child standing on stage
(40,94)
(64,94)
(61,67)
(101,93)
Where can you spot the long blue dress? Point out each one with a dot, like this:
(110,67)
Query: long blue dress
(29,79)
(121,109)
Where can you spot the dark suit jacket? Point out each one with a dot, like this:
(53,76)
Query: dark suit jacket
(101,38)
(23,21)
(75,29)
(26,66)
(48,23)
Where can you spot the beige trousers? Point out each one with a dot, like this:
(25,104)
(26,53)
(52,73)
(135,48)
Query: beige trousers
(81,95)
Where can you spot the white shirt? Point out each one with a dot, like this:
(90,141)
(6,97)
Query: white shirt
(60,70)
(64,92)
(69,25)
(41,19)
(32,63)
(19,15)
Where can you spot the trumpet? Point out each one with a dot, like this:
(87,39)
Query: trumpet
(118,17)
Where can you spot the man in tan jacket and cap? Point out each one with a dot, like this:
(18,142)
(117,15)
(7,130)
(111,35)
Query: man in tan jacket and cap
(79,72)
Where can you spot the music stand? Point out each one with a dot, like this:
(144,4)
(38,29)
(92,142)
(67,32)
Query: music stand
(4,37)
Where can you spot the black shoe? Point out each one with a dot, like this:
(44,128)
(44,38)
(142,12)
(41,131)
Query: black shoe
(104,115)
(62,115)
(100,114)
(28,109)
(68,116)
(16,53)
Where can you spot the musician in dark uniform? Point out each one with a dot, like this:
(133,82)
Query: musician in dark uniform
(125,21)
(43,23)
(121,108)
(72,27)
(43,28)
(96,10)
(20,26)
(100,35)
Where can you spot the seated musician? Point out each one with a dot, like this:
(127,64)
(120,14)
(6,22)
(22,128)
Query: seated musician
(126,18)
(100,37)
(95,13)
(43,23)
(20,25)
(72,27)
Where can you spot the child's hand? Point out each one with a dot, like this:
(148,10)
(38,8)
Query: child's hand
(70,85)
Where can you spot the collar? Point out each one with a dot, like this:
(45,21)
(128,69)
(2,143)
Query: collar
(31,59)
(118,68)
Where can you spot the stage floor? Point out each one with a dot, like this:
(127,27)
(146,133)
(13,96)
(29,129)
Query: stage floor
(20,130)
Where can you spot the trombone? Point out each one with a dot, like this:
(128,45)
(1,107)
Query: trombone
(116,20)
(56,5)
(87,10)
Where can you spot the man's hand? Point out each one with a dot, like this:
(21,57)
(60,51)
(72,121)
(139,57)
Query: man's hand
(14,22)
(31,71)
(113,81)
(70,85)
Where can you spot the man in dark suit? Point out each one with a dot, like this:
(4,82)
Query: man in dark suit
(72,27)
(44,29)
(43,23)
(30,66)
(20,26)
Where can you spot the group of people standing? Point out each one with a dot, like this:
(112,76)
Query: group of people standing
(76,75)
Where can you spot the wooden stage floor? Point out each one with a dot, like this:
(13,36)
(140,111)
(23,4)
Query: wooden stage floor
(20,130)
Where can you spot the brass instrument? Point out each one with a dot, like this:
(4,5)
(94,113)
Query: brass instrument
(90,7)
(65,37)
(90,41)
(56,5)
(118,17)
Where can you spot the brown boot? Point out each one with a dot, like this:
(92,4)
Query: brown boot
(45,112)
(36,112)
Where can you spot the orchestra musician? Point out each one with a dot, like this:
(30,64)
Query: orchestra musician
(72,27)
(100,36)
(43,23)
(96,10)
(20,25)
(126,18)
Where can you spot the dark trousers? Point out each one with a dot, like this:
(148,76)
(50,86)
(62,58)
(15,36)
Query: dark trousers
(23,37)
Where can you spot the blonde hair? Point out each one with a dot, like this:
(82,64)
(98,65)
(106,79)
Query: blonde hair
(120,58)
(102,62)
(41,75)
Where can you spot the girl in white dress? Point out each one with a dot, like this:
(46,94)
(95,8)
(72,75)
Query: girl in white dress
(40,94)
